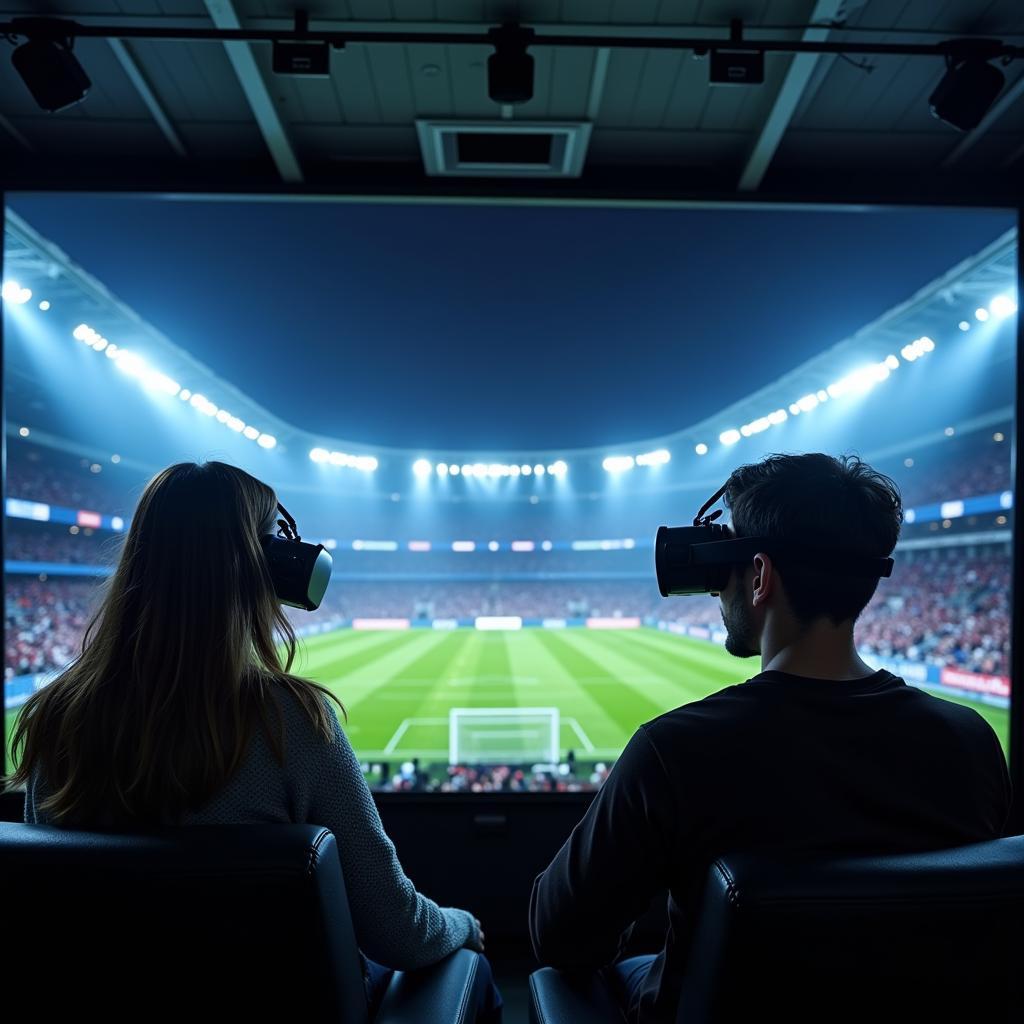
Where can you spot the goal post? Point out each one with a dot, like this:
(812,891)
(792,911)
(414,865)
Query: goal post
(503,735)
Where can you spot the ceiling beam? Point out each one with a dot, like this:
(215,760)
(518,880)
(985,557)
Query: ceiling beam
(262,106)
(788,98)
(597,79)
(15,134)
(996,111)
(148,97)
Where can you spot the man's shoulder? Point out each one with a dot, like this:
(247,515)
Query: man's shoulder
(725,706)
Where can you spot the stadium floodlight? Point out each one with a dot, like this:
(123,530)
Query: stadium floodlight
(184,394)
(493,546)
(454,469)
(967,90)
(656,458)
(964,325)
(366,463)
(808,403)
(13,293)
(463,545)
(44,305)
(538,470)
(319,454)
(729,436)
(822,395)
(422,468)
(442,469)
(618,463)
(467,469)
(893,363)
(223,416)
(514,470)
(522,545)
(251,433)
(701,449)
(1002,306)
(237,425)
(558,468)
(546,545)
(981,313)
(527,470)
(794,409)
(266,441)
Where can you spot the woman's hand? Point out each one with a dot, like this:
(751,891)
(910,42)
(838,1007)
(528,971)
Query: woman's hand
(477,944)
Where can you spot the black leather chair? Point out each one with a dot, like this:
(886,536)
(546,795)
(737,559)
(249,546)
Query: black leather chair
(249,921)
(925,937)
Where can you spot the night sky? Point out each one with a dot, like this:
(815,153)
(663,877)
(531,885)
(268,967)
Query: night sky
(501,327)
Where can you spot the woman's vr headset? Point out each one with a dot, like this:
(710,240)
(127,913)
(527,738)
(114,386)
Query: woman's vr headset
(300,571)
(699,559)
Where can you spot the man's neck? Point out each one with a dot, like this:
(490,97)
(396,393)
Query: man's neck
(821,651)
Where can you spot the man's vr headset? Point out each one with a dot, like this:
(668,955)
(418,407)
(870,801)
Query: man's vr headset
(300,571)
(699,559)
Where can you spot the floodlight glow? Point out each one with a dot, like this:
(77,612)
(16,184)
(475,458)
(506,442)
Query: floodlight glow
(656,458)
(13,293)
(701,449)
(111,352)
(463,545)
(319,454)
(538,470)
(479,469)
(493,546)
(253,434)
(454,470)
(729,436)
(1002,306)
(559,468)
(808,403)
(100,345)
(185,394)
(822,395)
(794,408)
(514,470)
(117,522)
(130,363)
(442,469)
(419,545)
(223,416)
(44,305)
(422,468)
(467,470)
(522,545)
(546,545)
(81,332)
(777,417)
(964,325)
(618,463)
(859,381)
(366,463)
(265,440)
(527,470)
(981,314)
(893,362)
(237,425)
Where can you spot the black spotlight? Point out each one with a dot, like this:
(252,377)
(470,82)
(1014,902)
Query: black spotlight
(510,67)
(47,65)
(967,90)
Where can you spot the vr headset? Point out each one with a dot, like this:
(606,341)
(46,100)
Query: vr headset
(300,571)
(699,559)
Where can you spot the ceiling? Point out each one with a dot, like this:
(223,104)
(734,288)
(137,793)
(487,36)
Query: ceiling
(209,116)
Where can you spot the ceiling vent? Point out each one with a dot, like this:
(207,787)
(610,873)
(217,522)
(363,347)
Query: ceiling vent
(503,149)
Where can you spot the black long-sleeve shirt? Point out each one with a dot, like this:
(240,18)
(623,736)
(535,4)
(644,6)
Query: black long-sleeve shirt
(778,764)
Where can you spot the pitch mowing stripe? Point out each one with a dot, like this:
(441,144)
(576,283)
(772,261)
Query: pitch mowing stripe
(660,687)
(623,704)
(690,677)
(347,653)
(380,708)
(530,657)
(703,651)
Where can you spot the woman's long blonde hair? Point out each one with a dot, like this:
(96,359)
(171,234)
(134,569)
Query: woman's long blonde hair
(179,666)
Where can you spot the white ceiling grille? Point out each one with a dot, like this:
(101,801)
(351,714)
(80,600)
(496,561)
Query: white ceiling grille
(503,149)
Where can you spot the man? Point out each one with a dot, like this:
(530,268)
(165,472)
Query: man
(817,753)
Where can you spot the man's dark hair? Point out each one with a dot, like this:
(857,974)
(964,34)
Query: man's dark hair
(823,501)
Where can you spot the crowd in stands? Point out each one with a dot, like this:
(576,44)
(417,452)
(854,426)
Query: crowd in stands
(568,777)
(947,610)
(45,622)
(38,473)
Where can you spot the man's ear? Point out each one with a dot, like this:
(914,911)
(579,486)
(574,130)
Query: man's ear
(764,579)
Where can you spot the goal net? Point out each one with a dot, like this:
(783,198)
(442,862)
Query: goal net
(503,735)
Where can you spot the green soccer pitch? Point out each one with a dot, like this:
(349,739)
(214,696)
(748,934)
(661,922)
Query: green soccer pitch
(398,687)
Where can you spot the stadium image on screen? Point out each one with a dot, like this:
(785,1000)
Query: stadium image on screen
(493,621)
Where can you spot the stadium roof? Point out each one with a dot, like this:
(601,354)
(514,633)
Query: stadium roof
(936,311)
(207,115)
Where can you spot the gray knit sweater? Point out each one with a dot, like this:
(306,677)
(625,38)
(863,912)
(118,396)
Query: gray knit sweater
(322,784)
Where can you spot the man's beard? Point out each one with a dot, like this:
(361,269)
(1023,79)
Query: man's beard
(741,637)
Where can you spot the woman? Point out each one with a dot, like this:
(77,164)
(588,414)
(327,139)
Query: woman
(179,712)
